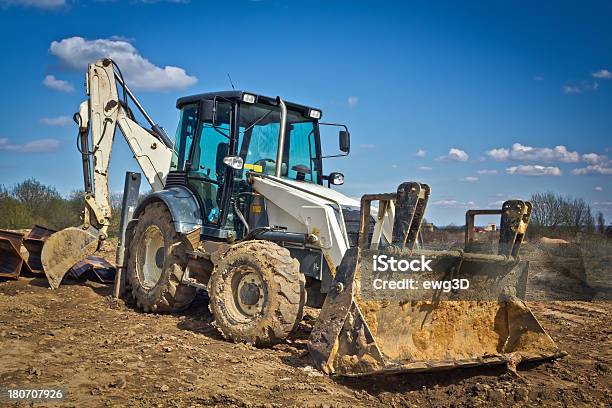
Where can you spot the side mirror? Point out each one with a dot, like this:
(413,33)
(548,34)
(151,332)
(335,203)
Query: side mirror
(345,141)
(207,111)
(335,178)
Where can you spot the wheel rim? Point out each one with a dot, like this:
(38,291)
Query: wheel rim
(249,292)
(153,256)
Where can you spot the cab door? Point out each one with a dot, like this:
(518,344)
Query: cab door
(207,174)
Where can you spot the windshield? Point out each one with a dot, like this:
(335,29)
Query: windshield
(258,142)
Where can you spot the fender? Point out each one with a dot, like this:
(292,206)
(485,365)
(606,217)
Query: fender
(183,206)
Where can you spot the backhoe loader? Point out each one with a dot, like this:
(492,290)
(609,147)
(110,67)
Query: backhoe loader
(242,208)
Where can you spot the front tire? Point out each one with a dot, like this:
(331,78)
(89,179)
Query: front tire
(257,293)
(157,259)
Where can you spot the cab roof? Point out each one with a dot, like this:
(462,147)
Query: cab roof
(237,95)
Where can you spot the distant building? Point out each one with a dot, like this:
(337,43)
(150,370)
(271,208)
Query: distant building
(491,227)
(427,226)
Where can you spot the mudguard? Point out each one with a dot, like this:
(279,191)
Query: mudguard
(183,206)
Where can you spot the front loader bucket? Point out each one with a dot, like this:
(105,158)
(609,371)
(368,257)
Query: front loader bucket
(65,248)
(463,309)
(364,331)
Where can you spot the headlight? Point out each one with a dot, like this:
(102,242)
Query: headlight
(314,114)
(248,98)
(235,162)
(337,179)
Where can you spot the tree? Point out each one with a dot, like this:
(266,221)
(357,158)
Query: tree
(34,195)
(601,223)
(13,215)
(560,215)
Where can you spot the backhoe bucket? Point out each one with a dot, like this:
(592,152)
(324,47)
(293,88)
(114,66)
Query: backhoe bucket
(65,248)
(394,307)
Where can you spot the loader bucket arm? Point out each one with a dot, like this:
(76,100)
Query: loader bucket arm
(364,331)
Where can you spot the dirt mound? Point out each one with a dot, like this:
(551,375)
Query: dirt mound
(74,338)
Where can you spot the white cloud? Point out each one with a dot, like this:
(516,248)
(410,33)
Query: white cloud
(579,87)
(603,204)
(456,155)
(487,172)
(571,89)
(420,153)
(594,158)
(602,74)
(453,203)
(52,82)
(139,72)
(424,168)
(602,169)
(394,166)
(57,121)
(34,146)
(598,188)
(43,4)
(520,152)
(499,154)
(353,100)
(497,203)
(534,170)
(469,179)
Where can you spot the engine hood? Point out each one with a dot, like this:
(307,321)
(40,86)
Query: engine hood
(328,193)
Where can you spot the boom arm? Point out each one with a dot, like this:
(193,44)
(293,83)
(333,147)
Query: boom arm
(101,113)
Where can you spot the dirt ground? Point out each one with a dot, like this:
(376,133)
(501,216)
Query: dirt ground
(102,353)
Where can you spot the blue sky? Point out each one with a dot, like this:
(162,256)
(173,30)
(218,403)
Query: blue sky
(482,101)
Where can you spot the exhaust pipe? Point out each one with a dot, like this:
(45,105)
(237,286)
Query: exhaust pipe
(281,136)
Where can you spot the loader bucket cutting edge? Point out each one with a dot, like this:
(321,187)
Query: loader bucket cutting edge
(356,335)
(65,248)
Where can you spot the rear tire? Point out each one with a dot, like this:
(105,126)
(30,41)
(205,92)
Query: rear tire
(157,259)
(257,293)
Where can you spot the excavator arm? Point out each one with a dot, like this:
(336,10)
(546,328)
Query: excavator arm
(101,113)
(98,118)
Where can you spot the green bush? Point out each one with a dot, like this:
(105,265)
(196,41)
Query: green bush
(31,202)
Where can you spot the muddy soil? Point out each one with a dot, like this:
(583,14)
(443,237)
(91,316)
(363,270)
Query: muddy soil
(103,353)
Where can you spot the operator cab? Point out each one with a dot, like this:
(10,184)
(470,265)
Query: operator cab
(222,136)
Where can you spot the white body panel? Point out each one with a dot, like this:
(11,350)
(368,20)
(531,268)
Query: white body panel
(313,209)
(300,211)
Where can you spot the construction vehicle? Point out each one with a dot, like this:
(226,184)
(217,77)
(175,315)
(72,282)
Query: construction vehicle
(242,209)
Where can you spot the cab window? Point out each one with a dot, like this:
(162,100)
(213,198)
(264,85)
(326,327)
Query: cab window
(207,171)
(185,133)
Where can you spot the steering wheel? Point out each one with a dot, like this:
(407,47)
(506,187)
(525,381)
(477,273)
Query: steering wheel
(262,162)
(268,165)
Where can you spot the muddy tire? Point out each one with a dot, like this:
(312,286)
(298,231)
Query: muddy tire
(156,261)
(257,293)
